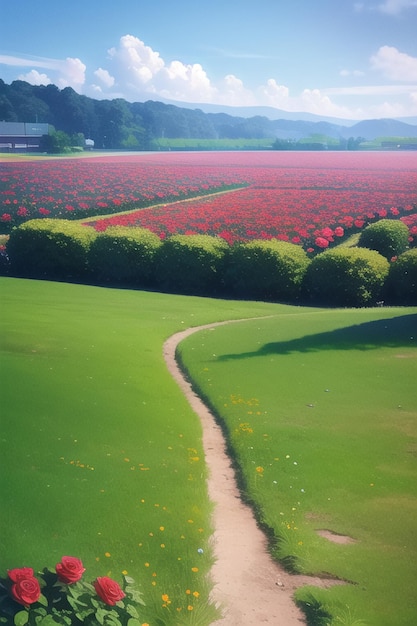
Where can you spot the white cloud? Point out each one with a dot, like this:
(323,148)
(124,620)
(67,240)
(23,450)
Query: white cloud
(274,94)
(67,72)
(27,61)
(35,78)
(135,62)
(136,72)
(104,77)
(72,73)
(139,70)
(318,102)
(187,82)
(394,64)
(231,91)
(394,7)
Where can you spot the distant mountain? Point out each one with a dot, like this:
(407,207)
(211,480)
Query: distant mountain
(383,128)
(283,128)
(271,113)
(115,124)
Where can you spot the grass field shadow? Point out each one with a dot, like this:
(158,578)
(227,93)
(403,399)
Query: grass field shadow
(396,332)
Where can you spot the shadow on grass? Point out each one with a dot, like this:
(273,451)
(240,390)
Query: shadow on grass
(396,332)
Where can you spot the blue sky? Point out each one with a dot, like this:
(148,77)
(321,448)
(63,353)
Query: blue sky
(340,58)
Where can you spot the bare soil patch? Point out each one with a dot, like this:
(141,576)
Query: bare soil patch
(335,537)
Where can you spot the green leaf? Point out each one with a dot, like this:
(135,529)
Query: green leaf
(21,618)
(113,620)
(81,615)
(50,621)
(40,611)
(42,600)
(129,580)
(133,622)
(101,615)
(135,596)
(132,610)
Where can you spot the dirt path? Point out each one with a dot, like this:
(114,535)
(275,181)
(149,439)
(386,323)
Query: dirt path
(250,587)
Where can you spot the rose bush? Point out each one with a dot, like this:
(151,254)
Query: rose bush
(62,597)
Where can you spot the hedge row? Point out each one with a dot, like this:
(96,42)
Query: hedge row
(205,265)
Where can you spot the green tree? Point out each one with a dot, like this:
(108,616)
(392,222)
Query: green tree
(57,141)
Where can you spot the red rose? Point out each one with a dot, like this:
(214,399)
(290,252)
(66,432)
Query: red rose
(26,591)
(21,573)
(321,242)
(108,590)
(69,570)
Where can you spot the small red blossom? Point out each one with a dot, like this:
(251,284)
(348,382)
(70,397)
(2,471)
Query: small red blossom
(26,589)
(69,570)
(108,590)
(321,242)
(20,573)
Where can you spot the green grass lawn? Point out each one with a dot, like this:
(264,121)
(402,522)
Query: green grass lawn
(320,409)
(101,456)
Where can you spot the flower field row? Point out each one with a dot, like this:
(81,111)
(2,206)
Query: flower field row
(296,215)
(307,198)
(75,188)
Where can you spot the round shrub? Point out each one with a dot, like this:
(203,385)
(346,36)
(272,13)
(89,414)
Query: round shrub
(191,264)
(401,285)
(266,269)
(388,237)
(50,248)
(346,277)
(124,255)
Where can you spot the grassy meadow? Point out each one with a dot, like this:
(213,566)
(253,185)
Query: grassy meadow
(320,413)
(102,457)
(101,454)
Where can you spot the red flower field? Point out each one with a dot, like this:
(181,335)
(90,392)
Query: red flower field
(310,198)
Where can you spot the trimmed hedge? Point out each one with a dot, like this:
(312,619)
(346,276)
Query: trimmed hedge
(124,255)
(266,269)
(191,264)
(50,248)
(346,277)
(388,237)
(204,265)
(401,286)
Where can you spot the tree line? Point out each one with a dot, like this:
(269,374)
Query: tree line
(118,124)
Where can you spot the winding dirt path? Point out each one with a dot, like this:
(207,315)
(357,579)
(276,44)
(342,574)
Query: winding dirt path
(249,586)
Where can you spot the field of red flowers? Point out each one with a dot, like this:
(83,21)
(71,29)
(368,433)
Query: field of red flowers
(310,198)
